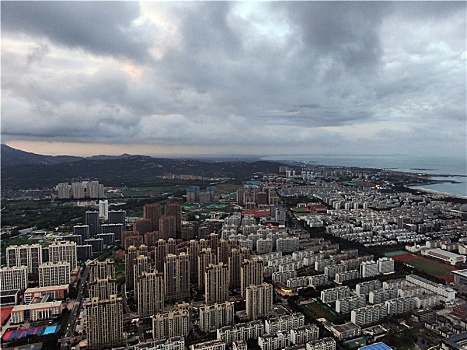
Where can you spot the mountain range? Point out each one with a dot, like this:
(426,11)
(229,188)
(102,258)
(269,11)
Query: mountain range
(23,170)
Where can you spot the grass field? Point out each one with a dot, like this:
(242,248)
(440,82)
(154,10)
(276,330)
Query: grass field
(316,310)
(429,267)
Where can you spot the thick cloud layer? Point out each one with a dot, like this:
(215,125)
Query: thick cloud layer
(354,77)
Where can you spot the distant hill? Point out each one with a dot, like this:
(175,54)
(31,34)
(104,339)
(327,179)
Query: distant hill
(12,156)
(125,170)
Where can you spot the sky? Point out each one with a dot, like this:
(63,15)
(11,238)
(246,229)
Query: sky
(211,78)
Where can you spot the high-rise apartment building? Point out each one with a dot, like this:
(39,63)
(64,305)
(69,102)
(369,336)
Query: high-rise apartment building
(77,190)
(162,249)
(104,323)
(251,273)
(63,189)
(15,277)
(81,230)
(152,211)
(95,190)
(142,226)
(142,264)
(130,261)
(116,229)
(216,287)
(205,257)
(64,251)
(167,227)
(193,250)
(259,300)
(104,209)
(213,239)
(175,210)
(54,273)
(25,255)
(149,292)
(102,269)
(117,217)
(223,250)
(91,218)
(212,317)
(236,257)
(177,276)
(170,324)
(102,288)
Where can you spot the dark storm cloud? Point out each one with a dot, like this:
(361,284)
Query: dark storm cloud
(103,28)
(226,73)
(344,32)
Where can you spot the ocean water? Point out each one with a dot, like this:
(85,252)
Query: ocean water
(448,165)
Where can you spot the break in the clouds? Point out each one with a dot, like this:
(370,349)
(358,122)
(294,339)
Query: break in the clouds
(237,77)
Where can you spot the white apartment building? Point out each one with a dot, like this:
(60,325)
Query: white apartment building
(369,269)
(29,255)
(264,246)
(346,276)
(241,331)
(364,288)
(327,343)
(332,294)
(64,251)
(170,324)
(274,341)
(368,314)
(304,334)
(446,293)
(379,296)
(212,317)
(288,245)
(54,274)
(284,323)
(385,265)
(345,305)
(317,280)
(259,300)
(15,277)
(401,305)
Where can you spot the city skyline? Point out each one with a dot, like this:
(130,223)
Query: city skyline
(250,78)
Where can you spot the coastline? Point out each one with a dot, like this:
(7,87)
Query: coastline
(431,191)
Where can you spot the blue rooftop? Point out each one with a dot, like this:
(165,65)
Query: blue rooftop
(376,346)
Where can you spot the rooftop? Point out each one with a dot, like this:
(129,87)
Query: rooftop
(376,346)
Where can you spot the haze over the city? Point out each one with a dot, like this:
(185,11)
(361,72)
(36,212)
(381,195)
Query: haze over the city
(181,78)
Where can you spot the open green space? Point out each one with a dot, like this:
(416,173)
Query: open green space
(399,252)
(316,310)
(428,267)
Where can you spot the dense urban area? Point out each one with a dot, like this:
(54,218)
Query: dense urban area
(299,257)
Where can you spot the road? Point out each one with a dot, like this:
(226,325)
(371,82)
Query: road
(64,341)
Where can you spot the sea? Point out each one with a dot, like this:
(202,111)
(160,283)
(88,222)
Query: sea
(446,168)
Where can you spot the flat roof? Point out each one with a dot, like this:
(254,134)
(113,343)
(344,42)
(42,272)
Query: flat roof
(36,306)
(46,289)
(445,253)
(376,346)
(460,272)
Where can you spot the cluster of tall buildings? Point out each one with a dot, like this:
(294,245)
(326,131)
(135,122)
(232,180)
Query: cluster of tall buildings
(164,273)
(56,269)
(80,190)
(195,195)
(104,309)
(158,222)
